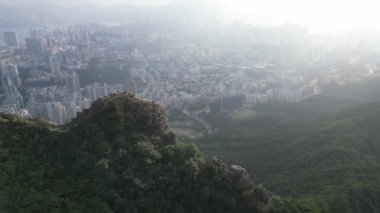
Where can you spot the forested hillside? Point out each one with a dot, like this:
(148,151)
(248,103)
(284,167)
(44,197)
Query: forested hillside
(119,156)
(329,161)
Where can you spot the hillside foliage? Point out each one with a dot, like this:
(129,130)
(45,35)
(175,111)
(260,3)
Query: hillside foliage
(119,156)
(325,159)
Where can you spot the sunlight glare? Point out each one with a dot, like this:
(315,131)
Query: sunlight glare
(321,15)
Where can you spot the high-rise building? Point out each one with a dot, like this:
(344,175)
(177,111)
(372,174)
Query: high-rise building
(72,82)
(56,112)
(131,85)
(50,43)
(10,78)
(11,39)
(64,57)
(96,90)
(71,110)
(35,46)
(54,64)
(14,99)
(37,110)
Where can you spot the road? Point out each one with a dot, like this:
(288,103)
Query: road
(195,116)
(316,89)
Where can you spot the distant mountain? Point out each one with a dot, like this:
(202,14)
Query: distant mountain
(119,156)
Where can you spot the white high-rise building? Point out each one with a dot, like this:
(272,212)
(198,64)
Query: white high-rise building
(10,78)
(72,82)
(71,110)
(96,90)
(56,112)
(54,64)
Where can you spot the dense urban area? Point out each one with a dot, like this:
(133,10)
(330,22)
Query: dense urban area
(56,72)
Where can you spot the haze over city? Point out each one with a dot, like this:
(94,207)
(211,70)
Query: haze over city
(190,106)
(322,16)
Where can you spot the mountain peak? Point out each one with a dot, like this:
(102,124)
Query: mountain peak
(123,113)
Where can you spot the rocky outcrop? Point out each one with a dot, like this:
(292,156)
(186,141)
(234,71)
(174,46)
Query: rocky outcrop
(241,177)
(262,194)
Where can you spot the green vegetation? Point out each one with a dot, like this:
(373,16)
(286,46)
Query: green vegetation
(243,114)
(365,91)
(119,156)
(325,158)
(184,126)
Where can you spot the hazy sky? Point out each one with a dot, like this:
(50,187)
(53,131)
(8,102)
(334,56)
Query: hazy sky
(103,2)
(136,2)
(321,15)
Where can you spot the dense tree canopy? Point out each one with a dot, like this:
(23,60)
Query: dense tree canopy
(330,161)
(118,156)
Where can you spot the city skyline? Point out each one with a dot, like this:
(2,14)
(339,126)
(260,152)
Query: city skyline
(64,69)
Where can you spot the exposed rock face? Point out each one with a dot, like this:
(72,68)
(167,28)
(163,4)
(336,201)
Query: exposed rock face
(241,177)
(262,194)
